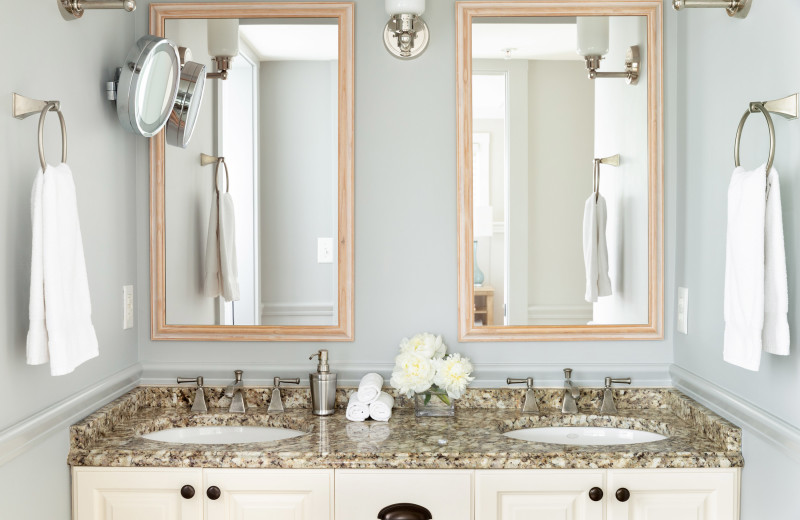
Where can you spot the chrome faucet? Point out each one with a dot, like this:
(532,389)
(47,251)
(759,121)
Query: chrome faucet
(235,391)
(608,406)
(199,396)
(571,393)
(276,403)
(529,406)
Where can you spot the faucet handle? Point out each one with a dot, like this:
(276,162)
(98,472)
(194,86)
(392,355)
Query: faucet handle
(198,380)
(608,406)
(529,405)
(514,381)
(238,375)
(276,403)
(568,373)
(199,404)
(623,381)
(276,381)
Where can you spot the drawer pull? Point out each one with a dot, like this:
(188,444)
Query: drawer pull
(596,494)
(213,493)
(623,494)
(187,491)
(404,512)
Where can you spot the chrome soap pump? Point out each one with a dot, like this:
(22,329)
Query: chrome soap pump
(323,386)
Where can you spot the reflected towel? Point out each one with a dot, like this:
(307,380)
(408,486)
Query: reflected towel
(357,431)
(61,329)
(356,410)
(775,336)
(221,269)
(370,387)
(595,250)
(379,432)
(381,408)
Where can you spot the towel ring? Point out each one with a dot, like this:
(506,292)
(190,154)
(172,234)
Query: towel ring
(756,107)
(221,160)
(52,106)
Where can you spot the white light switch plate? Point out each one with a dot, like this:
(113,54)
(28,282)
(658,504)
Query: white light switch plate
(127,304)
(325,250)
(683,310)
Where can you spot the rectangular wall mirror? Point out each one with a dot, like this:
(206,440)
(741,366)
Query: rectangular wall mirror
(560,170)
(283,122)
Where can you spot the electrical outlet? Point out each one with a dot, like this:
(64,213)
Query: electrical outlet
(127,305)
(683,310)
(324,250)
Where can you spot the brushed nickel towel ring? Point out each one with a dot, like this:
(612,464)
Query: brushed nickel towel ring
(784,107)
(22,107)
(206,159)
(612,160)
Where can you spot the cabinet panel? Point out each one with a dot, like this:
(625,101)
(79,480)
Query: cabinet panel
(282,494)
(135,494)
(541,494)
(666,494)
(361,494)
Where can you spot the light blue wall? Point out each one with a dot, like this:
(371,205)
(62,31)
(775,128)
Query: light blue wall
(725,64)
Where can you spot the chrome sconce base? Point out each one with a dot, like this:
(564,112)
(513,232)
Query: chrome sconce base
(223,65)
(406,36)
(734,8)
(632,66)
(74,9)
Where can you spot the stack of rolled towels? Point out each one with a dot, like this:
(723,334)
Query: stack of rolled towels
(370,400)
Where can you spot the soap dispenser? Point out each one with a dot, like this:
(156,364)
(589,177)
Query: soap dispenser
(323,386)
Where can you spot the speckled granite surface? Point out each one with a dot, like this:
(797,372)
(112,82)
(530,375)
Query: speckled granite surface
(697,438)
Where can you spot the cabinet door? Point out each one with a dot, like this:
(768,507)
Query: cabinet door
(672,494)
(280,494)
(546,494)
(136,494)
(361,494)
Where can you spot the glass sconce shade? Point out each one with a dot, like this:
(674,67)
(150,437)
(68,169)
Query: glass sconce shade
(592,35)
(394,7)
(223,37)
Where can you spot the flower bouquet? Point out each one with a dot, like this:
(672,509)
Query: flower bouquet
(423,370)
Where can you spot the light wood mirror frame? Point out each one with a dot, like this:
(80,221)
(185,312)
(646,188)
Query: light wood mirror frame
(343,331)
(653,329)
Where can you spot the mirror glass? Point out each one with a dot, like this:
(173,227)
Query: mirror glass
(158,80)
(546,247)
(275,122)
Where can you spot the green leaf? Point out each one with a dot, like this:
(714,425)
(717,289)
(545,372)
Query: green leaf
(445,398)
(427,398)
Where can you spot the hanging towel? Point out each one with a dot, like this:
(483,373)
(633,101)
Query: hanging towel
(595,250)
(356,410)
(775,336)
(744,268)
(221,272)
(370,387)
(61,329)
(381,408)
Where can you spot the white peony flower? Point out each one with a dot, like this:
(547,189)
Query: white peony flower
(413,373)
(424,344)
(453,375)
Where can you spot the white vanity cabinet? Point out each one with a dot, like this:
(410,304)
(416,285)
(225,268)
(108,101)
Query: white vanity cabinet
(644,494)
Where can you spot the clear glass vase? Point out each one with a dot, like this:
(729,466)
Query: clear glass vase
(433,403)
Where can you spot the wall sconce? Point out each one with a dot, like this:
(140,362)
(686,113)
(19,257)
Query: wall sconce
(73,9)
(406,35)
(223,44)
(593,45)
(734,8)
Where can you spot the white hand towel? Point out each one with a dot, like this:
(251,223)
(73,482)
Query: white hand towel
(356,410)
(70,335)
(775,336)
(221,270)
(370,387)
(603,281)
(744,268)
(381,408)
(595,250)
(212,286)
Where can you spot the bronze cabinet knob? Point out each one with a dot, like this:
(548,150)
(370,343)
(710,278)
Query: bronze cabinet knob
(187,491)
(404,512)
(213,493)
(596,494)
(623,494)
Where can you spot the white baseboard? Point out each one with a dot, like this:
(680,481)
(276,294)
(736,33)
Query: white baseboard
(743,413)
(297,309)
(20,437)
(560,314)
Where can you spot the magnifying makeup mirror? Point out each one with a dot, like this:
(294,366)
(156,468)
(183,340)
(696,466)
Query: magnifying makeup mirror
(187,104)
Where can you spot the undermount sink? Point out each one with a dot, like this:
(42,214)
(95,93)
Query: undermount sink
(584,435)
(222,434)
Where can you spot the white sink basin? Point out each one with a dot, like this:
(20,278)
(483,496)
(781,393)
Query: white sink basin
(222,434)
(584,435)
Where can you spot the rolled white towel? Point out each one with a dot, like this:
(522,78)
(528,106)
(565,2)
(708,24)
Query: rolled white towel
(356,410)
(381,409)
(370,387)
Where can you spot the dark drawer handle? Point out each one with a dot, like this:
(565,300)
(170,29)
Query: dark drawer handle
(404,512)
(213,493)
(623,494)
(596,494)
(187,491)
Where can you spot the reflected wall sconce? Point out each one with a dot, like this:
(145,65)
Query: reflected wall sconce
(74,9)
(223,44)
(406,35)
(593,45)
(734,8)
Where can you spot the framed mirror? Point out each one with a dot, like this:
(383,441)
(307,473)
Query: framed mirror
(252,223)
(560,170)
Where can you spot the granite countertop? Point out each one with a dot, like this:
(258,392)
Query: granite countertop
(697,438)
